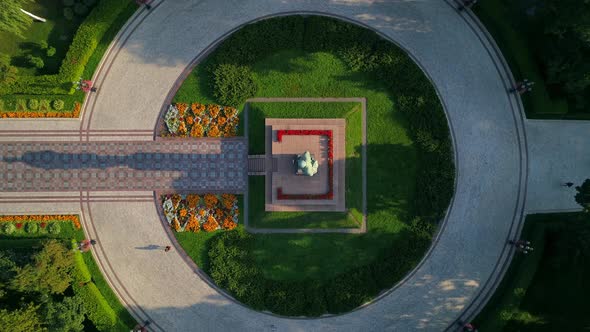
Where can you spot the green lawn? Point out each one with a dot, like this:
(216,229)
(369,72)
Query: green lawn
(352,112)
(546,290)
(410,170)
(25,241)
(508,25)
(295,73)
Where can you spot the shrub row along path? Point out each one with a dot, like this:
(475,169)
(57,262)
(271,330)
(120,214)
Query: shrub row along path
(469,254)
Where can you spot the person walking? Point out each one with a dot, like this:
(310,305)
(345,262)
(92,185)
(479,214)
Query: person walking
(145,3)
(467,327)
(522,87)
(167,248)
(85,245)
(567,184)
(141,328)
(467,4)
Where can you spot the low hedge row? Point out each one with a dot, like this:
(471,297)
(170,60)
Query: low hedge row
(232,267)
(96,307)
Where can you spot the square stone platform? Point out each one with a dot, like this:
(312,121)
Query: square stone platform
(280,156)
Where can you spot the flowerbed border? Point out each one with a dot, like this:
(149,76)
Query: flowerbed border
(42,218)
(75,113)
(313,132)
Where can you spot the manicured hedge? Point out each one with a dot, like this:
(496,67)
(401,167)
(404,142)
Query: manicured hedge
(97,308)
(232,267)
(89,34)
(81,272)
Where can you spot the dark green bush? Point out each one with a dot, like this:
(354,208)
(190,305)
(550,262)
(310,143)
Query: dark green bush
(33,104)
(51,51)
(350,290)
(35,61)
(258,40)
(80,9)
(89,3)
(232,84)
(58,104)
(9,228)
(68,3)
(97,308)
(31,227)
(54,228)
(68,13)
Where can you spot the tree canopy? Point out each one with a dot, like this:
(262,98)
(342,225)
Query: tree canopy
(12,19)
(49,273)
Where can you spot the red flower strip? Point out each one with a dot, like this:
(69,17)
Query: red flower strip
(328,134)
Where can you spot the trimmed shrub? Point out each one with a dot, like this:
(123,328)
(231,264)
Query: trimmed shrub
(33,104)
(68,3)
(51,51)
(31,227)
(43,45)
(68,13)
(97,308)
(9,228)
(44,105)
(35,61)
(54,228)
(80,9)
(232,84)
(58,104)
(21,105)
(8,74)
(87,37)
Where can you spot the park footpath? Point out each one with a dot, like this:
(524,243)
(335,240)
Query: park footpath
(499,157)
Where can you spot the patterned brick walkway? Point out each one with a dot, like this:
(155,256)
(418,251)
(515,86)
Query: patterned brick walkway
(200,165)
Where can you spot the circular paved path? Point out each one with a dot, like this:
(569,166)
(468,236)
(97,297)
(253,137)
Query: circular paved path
(156,48)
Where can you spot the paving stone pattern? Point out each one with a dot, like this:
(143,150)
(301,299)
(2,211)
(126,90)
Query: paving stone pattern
(199,165)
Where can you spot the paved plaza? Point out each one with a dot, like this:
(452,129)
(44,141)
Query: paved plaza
(202,165)
(500,158)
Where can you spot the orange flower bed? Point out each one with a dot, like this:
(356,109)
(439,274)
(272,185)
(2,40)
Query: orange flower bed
(192,225)
(190,213)
(200,120)
(229,224)
(193,200)
(197,108)
(44,114)
(229,200)
(213,110)
(75,220)
(210,200)
(211,224)
(214,131)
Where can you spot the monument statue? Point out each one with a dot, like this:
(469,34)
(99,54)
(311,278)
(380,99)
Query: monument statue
(306,164)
